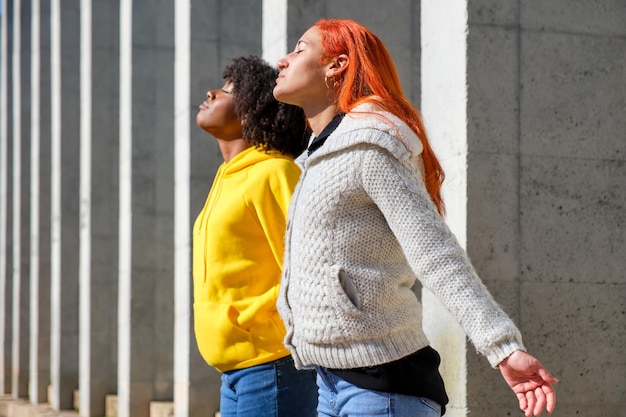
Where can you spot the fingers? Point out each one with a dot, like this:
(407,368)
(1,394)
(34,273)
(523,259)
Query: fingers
(533,402)
(530,403)
(523,404)
(550,398)
(541,401)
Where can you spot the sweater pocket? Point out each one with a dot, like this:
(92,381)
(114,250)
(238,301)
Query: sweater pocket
(345,292)
(222,342)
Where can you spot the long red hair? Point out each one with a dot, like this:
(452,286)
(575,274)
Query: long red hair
(371,76)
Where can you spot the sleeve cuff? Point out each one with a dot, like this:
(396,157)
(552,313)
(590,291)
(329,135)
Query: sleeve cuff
(503,349)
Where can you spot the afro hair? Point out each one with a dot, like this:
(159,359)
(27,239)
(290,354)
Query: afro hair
(267,123)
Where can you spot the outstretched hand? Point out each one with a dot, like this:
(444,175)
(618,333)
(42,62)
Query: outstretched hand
(530,381)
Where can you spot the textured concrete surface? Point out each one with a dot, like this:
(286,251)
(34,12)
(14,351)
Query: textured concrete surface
(547,191)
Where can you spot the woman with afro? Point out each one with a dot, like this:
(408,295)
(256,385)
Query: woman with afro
(238,245)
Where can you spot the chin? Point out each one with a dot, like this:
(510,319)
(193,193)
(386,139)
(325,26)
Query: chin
(282,97)
(276,93)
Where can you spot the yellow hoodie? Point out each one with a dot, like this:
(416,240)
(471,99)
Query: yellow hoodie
(237,259)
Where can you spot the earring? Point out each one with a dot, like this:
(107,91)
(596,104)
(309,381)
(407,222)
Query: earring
(332,80)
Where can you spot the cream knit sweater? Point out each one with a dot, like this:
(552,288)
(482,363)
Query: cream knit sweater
(362,228)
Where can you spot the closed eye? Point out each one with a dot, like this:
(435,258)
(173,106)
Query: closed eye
(298,47)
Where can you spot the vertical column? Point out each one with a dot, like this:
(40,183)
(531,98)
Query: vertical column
(274,30)
(99,204)
(493,182)
(65,107)
(125,208)
(84,261)
(206,60)
(5,195)
(21,196)
(34,199)
(16,181)
(147,173)
(182,244)
(39,354)
(444,97)
(216,39)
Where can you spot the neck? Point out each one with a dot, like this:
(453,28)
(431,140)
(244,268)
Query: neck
(319,119)
(230,148)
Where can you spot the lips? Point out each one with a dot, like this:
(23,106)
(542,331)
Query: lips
(203,106)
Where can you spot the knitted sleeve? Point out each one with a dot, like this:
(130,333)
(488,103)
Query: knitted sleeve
(433,253)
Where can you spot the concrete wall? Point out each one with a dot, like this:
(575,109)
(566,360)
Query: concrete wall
(547,191)
(102,171)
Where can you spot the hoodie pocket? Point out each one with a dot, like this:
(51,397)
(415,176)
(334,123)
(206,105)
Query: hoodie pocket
(222,342)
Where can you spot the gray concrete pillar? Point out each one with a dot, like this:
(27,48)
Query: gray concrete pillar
(65,147)
(39,364)
(217,38)
(547,189)
(146,311)
(21,197)
(204,72)
(99,204)
(493,183)
(6,221)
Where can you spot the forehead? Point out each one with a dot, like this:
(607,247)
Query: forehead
(311,36)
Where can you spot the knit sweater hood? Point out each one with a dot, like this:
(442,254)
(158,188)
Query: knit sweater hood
(361,230)
(366,125)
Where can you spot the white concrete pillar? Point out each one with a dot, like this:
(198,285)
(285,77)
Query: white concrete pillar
(443,105)
(125,209)
(84,261)
(39,352)
(16,105)
(182,240)
(274,30)
(35,139)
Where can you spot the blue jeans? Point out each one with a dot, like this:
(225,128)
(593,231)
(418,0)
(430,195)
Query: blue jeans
(273,389)
(339,398)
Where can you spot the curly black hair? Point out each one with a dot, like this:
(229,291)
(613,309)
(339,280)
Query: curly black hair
(267,123)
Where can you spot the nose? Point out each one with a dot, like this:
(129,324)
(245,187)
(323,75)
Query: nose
(281,64)
(210,95)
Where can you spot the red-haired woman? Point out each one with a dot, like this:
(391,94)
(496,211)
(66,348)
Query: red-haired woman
(365,221)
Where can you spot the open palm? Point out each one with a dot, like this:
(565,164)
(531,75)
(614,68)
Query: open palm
(530,381)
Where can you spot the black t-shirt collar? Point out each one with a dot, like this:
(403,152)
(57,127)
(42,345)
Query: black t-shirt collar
(318,141)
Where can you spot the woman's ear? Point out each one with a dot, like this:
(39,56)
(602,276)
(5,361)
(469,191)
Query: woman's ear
(338,66)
